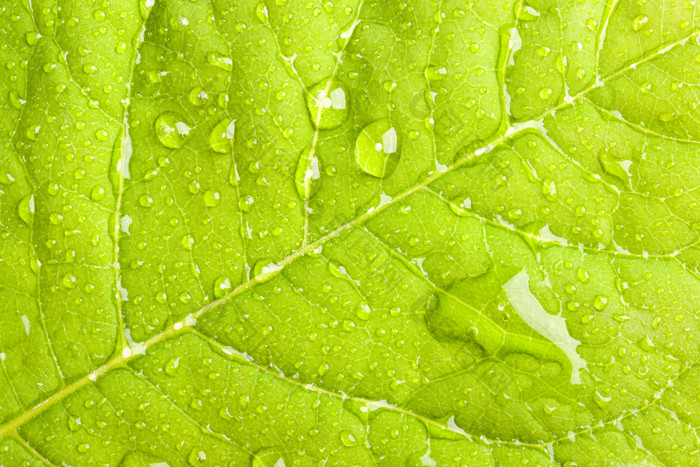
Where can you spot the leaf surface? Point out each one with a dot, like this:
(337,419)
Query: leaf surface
(349,233)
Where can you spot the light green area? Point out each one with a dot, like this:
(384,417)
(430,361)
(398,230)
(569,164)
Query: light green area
(349,233)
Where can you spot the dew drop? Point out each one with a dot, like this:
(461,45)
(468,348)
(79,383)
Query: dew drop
(6,178)
(97,193)
(221,136)
(171,366)
(308,175)
(187,242)
(222,286)
(640,22)
(377,149)
(434,73)
(25,209)
(32,37)
(220,61)
(212,198)
(348,439)
(197,96)
(600,302)
(171,130)
(363,311)
(328,104)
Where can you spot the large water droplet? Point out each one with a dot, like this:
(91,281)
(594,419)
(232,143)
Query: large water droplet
(308,174)
(172,131)
(377,148)
(640,22)
(267,457)
(222,286)
(220,61)
(171,366)
(25,209)
(221,136)
(328,104)
(611,166)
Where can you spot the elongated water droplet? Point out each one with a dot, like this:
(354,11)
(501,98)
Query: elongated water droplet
(308,175)
(172,131)
(640,22)
(434,73)
(171,366)
(611,166)
(267,457)
(328,104)
(220,61)
(16,101)
(221,137)
(26,209)
(6,178)
(377,148)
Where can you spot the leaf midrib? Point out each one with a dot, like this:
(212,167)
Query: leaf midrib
(183,325)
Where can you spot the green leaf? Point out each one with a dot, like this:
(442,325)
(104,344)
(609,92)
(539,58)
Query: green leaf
(349,233)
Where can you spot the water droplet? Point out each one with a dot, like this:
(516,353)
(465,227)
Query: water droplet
(601,400)
(261,13)
(267,457)
(611,166)
(220,61)
(222,286)
(146,201)
(640,22)
(600,302)
(328,105)
(171,366)
(187,242)
(212,198)
(348,439)
(55,218)
(308,175)
(377,148)
(73,424)
(434,73)
(323,369)
(198,96)
(363,311)
(197,457)
(6,178)
(171,130)
(25,209)
(32,37)
(98,193)
(221,138)
(69,281)
(16,101)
